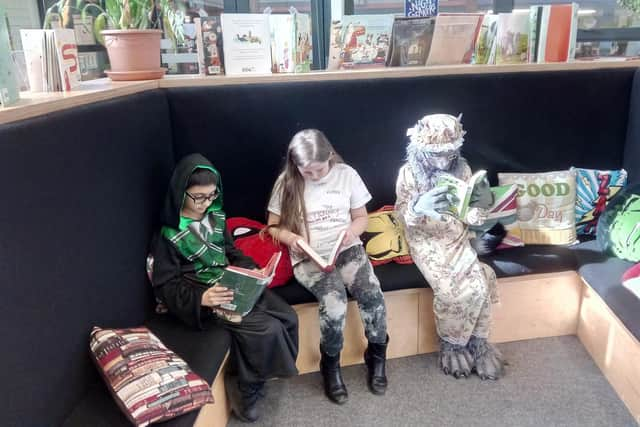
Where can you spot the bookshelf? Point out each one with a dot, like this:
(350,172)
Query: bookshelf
(36,104)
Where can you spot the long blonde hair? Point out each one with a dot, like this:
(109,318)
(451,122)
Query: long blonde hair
(306,147)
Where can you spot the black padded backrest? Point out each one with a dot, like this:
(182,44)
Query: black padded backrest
(632,148)
(536,121)
(80,189)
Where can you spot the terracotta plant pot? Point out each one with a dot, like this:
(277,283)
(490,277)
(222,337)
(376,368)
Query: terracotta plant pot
(133,54)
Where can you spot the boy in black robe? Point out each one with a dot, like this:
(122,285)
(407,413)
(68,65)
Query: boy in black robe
(189,254)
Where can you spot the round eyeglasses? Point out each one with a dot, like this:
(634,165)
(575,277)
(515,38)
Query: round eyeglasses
(199,199)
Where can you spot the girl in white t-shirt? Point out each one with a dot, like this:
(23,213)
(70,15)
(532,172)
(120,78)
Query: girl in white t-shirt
(315,199)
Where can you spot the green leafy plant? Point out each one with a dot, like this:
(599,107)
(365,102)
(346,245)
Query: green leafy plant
(135,15)
(632,5)
(61,11)
(121,15)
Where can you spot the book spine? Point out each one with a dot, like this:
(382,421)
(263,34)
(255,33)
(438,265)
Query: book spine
(533,33)
(200,46)
(542,35)
(573,33)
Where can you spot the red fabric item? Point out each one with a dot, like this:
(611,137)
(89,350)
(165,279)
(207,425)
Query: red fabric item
(632,274)
(246,236)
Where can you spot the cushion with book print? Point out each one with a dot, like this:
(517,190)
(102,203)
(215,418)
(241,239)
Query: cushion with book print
(546,207)
(247,238)
(594,189)
(503,212)
(149,382)
(384,239)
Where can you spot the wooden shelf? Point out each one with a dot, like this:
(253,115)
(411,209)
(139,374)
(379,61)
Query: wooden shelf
(37,104)
(395,72)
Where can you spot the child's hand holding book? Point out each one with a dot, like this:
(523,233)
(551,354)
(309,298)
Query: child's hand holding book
(291,240)
(216,295)
(349,238)
(326,265)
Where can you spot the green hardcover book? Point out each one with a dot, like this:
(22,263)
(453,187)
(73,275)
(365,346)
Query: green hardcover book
(247,285)
(9,92)
(460,192)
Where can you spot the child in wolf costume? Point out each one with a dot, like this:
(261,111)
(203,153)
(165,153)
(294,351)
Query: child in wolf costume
(441,246)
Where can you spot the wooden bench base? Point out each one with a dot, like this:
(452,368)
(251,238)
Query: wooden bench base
(613,348)
(531,306)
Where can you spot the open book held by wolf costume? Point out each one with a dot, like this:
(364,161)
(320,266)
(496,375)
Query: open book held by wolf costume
(441,246)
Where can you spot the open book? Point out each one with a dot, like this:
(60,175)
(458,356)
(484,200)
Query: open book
(504,209)
(460,192)
(328,264)
(247,285)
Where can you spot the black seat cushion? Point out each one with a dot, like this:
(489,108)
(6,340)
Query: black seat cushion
(531,259)
(294,293)
(204,351)
(604,274)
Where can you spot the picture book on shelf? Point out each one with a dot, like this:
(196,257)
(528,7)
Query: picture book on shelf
(209,45)
(52,61)
(247,43)
(366,40)
(552,32)
(335,46)
(454,38)
(325,264)
(460,191)
(411,41)
(291,48)
(304,43)
(512,39)
(485,49)
(247,284)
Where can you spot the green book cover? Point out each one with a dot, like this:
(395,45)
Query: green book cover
(460,192)
(9,92)
(247,285)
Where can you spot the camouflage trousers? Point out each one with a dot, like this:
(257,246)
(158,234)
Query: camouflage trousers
(354,273)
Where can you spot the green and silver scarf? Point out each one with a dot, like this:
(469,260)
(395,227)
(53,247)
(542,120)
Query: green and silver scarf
(202,242)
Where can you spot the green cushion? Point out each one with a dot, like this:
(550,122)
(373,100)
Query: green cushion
(619,226)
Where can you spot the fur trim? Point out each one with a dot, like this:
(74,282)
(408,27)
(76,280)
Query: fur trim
(438,133)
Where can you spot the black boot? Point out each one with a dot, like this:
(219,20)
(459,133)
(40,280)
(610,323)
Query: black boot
(375,358)
(243,398)
(334,387)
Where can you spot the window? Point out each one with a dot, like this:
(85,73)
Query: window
(21,14)
(594,13)
(258,6)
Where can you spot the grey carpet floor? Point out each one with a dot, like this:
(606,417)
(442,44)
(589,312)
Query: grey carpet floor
(549,382)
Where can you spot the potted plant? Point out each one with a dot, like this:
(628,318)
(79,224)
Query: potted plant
(129,29)
(60,12)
